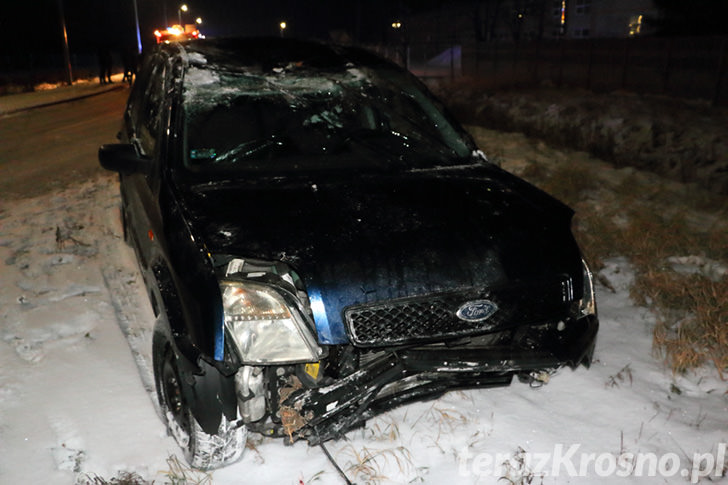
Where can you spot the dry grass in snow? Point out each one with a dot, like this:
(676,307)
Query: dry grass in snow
(651,221)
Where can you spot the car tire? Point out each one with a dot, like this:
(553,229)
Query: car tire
(202,450)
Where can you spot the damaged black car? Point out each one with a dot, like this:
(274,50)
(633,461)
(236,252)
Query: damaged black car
(321,242)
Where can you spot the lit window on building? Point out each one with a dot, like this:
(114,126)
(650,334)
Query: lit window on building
(558,11)
(635,25)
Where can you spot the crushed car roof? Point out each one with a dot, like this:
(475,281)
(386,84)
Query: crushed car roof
(271,53)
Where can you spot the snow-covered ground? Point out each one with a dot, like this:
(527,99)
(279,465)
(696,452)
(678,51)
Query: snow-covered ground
(47,94)
(76,403)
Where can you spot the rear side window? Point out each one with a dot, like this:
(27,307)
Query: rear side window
(146,107)
(150,120)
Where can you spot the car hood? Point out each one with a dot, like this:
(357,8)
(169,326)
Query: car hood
(368,238)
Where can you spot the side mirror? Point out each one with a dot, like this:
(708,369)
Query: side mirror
(123,158)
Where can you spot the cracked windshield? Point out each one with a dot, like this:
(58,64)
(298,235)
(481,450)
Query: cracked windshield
(300,119)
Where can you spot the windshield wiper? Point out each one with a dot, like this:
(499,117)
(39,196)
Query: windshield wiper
(250,149)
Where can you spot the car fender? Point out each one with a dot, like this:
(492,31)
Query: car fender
(207,391)
(208,384)
(198,285)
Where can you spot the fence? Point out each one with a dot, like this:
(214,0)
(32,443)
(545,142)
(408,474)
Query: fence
(692,67)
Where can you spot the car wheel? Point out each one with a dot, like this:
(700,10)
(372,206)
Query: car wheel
(202,450)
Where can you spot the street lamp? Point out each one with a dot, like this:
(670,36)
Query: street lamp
(396,24)
(283,26)
(66,52)
(182,8)
(198,20)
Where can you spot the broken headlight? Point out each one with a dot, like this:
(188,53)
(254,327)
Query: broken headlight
(264,328)
(588,302)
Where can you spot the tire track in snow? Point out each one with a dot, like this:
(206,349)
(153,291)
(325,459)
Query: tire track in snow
(128,304)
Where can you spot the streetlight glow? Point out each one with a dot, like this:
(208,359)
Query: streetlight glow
(182,8)
(66,52)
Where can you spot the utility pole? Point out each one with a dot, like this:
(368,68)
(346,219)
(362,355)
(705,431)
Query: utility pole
(66,53)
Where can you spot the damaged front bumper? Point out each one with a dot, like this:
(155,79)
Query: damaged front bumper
(403,375)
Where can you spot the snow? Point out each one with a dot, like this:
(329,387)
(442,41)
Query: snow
(47,94)
(698,265)
(76,399)
(199,80)
(196,58)
(200,77)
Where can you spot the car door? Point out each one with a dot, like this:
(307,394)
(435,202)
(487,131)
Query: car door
(145,116)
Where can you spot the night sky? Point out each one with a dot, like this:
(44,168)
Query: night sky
(33,27)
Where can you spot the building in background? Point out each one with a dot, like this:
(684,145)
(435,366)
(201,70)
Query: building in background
(507,21)
(608,18)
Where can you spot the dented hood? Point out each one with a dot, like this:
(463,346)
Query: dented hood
(373,237)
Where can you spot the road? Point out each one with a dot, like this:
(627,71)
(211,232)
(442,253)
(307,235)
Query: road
(47,148)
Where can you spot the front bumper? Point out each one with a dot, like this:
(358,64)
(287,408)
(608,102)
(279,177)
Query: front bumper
(417,373)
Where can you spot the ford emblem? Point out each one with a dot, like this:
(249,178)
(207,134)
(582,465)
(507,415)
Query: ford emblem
(476,310)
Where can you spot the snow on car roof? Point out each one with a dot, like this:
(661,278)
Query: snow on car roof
(221,69)
(207,83)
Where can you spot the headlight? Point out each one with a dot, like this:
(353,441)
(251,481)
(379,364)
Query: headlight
(588,302)
(264,328)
